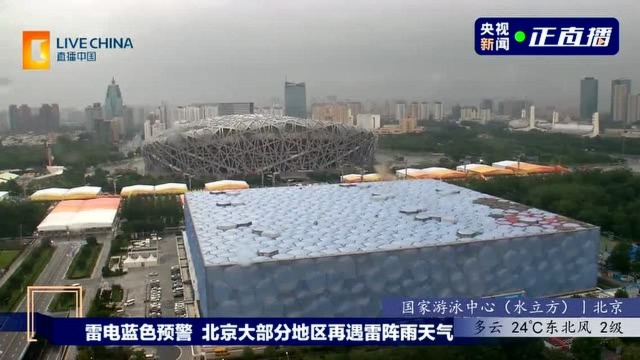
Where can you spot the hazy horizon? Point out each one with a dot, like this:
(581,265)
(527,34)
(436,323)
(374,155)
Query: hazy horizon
(221,50)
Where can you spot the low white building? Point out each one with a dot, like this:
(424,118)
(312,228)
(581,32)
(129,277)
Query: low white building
(368,121)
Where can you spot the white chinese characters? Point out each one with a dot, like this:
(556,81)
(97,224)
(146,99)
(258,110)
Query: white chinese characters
(136,332)
(570,37)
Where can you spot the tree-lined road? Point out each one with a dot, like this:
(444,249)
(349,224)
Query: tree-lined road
(14,344)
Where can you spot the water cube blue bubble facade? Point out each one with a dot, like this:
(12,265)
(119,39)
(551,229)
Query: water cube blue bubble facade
(339,250)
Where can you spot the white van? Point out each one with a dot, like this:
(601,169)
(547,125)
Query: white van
(76,284)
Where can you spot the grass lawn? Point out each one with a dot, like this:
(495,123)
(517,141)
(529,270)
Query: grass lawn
(7,256)
(84,262)
(100,306)
(63,302)
(117,293)
(14,290)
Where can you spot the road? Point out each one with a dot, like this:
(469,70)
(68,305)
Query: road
(90,288)
(14,345)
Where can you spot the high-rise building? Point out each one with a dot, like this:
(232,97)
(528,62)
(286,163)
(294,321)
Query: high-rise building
(512,108)
(620,90)
(456,112)
(633,109)
(414,110)
(148,135)
(484,115)
(92,114)
(48,118)
(295,99)
(209,111)
(336,113)
(408,124)
(138,116)
(13,117)
(116,127)
(368,121)
(356,108)
(401,111)
(157,128)
(4,121)
(113,104)
(275,110)
(24,119)
(469,113)
(237,108)
(128,125)
(425,111)
(102,129)
(437,111)
(532,117)
(588,97)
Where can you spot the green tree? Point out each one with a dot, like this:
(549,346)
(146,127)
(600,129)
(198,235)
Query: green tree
(247,353)
(12,187)
(621,293)
(586,348)
(270,352)
(556,355)
(92,241)
(631,352)
(619,258)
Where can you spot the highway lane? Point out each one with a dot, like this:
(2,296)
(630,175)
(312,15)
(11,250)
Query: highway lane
(14,345)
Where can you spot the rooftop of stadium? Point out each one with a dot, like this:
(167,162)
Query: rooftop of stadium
(297,222)
(248,122)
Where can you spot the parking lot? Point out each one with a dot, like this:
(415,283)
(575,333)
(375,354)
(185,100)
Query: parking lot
(152,286)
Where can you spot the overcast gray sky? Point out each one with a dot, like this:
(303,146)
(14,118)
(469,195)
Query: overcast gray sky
(241,50)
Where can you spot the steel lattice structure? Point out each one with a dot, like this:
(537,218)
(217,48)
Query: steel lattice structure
(255,144)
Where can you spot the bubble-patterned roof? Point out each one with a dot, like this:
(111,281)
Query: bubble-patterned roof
(284,223)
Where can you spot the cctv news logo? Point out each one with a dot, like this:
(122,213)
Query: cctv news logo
(36,50)
(547,36)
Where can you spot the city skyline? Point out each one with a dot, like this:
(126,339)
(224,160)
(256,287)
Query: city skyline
(250,60)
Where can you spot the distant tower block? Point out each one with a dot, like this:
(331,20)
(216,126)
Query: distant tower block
(595,118)
(523,114)
(532,117)
(554,118)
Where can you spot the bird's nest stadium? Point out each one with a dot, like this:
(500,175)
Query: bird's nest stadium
(258,144)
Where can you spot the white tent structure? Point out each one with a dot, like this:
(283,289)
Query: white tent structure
(140,261)
(163,189)
(82,192)
(60,194)
(81,216)
(51,194)
(171,188)
(226,185)
(137,190)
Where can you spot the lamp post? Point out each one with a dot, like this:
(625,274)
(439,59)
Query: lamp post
(189,176)
(114,179)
